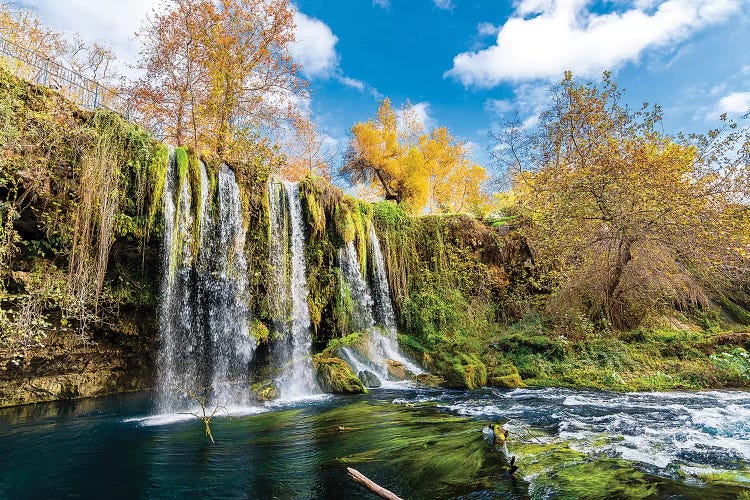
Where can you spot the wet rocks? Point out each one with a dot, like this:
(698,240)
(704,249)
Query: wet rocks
(369,379)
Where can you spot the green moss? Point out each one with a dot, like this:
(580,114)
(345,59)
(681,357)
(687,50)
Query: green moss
(259,331)
(506,376)
(351,340)
(738,312)
(464,371)
(157,174)
(335,376)
(265,390)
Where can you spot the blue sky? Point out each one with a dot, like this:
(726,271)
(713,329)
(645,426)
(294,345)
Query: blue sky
(471,63)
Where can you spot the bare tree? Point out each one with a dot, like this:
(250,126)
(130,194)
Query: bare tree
(208,408)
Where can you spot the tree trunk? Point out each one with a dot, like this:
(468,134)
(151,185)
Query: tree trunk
(624,256)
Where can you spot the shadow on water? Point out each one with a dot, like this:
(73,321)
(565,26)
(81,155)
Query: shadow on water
(418,444)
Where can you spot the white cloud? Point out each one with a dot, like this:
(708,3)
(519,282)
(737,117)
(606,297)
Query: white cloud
(383,4)
(735,103)
(443,4)
(421,114)
(546,37)
(352,82)
(315,46)
(109,22)
(488,29)
(498,106)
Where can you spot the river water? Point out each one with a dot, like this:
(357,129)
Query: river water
(419,443)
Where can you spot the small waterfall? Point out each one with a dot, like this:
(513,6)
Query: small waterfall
(203,317)
(362,304)
(289,302)
(384,307)
(387,343)
(382,341)
(182,348)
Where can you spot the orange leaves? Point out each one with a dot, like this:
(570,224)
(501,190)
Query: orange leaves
(307,152)
(216,70)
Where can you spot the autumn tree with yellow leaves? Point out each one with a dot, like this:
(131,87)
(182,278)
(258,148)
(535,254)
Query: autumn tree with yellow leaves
(216,70)
(399,161)
(625,220)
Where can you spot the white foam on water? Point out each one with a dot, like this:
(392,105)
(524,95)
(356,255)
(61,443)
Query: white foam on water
(286,402)
(660,430)
(233,410)
(161,419)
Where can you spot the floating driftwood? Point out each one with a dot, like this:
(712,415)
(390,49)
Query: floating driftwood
(360,478)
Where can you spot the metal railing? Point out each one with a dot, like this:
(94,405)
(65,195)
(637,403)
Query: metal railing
(85,92)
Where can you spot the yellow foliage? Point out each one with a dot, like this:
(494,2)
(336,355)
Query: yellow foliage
(402,163)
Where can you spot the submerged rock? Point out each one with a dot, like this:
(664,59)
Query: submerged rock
(334,375)
(369,379)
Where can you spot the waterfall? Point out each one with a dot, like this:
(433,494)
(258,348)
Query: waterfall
(289,300)
(228,297)
(386,344)
(362,304)
(381,340)
(384,307)
(203,315)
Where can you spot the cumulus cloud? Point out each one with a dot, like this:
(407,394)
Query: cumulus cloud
(421,114)
(315,46)
(443,4)
(735,103)
(383,4)
(543,38)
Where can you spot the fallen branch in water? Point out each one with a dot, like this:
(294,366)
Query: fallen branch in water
(360,478)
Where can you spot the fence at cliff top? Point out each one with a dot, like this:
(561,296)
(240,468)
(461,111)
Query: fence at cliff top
(85,92)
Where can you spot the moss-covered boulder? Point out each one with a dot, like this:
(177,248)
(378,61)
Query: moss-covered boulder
(429,380)
(265,391)
(505,376)
(465,371)
(335,376)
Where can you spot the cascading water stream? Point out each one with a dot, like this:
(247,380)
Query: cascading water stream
(289,304)
(362,305)
(203,317)
(387,342)
(384,307)
(381,340)
(228,296)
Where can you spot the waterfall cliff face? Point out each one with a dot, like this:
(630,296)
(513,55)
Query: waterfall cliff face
(374,316)
(204,315)
(289,302)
